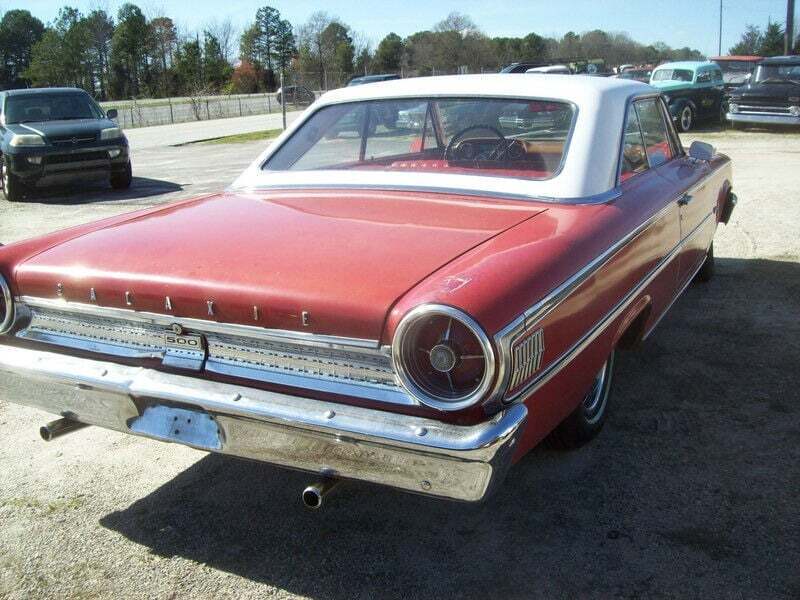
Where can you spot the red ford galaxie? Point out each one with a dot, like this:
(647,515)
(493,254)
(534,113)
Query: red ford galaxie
(416,284)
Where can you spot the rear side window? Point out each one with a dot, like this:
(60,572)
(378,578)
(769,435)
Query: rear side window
(654,132)
(634,157)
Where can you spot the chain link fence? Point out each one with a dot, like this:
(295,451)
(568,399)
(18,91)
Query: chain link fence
(166,111)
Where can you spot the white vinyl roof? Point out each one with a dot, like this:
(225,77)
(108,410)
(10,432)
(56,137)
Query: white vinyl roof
(589,169)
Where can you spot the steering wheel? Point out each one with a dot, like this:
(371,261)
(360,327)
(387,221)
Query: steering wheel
(497,152)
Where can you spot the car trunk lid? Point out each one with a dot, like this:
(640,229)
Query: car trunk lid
(327,262)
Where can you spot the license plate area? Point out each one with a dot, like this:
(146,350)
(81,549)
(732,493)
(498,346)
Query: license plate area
(182,425)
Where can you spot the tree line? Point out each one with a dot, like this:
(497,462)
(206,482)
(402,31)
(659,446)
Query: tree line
(758,42)
(131,55)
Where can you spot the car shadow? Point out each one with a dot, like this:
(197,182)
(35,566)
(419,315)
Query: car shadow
(687,491)
(100,191)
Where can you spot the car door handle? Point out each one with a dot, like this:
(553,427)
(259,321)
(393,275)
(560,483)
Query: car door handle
(685,199)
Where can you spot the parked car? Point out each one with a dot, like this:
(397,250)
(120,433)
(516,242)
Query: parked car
(642,75)
(522,67)
(693,90)
(551,69)
(296,94)
(736,70)
(372,79)
(772,97)
(56,136)
(415,309)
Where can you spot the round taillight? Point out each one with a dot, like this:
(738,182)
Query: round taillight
(442,357)
(6,306)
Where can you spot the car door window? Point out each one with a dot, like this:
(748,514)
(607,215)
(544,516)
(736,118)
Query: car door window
(654,132)
(634,157)
(672,133)
(704,77)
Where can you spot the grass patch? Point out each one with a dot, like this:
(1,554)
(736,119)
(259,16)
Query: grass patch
(239,138)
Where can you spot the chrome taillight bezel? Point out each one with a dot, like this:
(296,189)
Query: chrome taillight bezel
(415,390)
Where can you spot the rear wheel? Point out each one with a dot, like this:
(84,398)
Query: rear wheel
(686,118)
(587,420)
(121,180)
(12,186)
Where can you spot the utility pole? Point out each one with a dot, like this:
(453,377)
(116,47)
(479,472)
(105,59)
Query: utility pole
(788,36)
(719,52)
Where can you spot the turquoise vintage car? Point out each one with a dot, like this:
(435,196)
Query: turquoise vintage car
(694,91)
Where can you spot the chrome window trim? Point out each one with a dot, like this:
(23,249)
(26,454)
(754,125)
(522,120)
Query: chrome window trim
(566,358)
(631,99)
(601,198)
(410,385)
(201,325)
(8,317)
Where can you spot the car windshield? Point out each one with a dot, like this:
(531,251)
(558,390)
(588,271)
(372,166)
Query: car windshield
(736,66)
(778,73)
(482,136)
(673,75)
(50,107)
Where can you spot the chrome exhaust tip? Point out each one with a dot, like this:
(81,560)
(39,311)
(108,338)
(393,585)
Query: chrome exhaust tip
(59,427)
(314,495)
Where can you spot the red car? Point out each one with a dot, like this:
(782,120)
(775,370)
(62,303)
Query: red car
(411,306)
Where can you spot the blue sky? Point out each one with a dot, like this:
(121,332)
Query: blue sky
(677,22)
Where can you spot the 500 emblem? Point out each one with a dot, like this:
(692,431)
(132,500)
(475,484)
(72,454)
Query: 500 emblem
(183,341)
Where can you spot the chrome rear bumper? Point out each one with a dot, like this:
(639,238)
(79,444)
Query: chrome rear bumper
(763,119)
(410,453)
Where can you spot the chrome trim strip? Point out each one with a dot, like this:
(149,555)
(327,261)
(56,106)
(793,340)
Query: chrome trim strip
(541,309)
(345,387)
(394,187)
(410,385)
(565,359)
(504,338)
(407,452)
(8,318)
(312,339)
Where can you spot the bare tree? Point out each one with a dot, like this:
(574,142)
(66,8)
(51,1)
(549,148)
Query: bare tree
(458,23)
(226,34)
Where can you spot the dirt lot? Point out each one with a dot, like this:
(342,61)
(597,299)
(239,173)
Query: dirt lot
(691,490)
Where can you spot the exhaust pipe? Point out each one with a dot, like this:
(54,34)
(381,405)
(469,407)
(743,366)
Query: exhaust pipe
(314,495)
(59,427)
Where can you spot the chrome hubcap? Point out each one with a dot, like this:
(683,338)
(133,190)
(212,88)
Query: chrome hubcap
(686,118)
(594,403)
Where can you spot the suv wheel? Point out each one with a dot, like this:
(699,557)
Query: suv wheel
(12,186)
(121,180)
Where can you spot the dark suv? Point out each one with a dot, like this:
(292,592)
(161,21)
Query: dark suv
(56,136)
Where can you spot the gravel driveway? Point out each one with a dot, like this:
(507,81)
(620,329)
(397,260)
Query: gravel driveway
(691,490)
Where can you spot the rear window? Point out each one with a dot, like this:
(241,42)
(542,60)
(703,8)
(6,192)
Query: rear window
(481,136)
(673,75)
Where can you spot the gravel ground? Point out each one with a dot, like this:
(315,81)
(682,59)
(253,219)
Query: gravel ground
(690,491)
